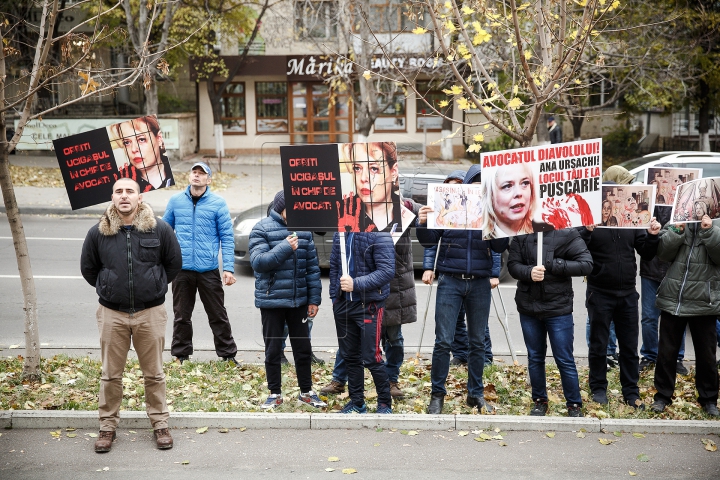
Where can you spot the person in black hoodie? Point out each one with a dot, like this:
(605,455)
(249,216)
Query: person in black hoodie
(611,296)
(544,299)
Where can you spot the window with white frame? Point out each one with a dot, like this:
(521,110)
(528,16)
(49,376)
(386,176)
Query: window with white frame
(316,19)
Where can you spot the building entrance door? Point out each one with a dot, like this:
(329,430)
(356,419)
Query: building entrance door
(315,117)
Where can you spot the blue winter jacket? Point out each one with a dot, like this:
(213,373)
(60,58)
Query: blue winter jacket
(429,261)
(373,259)
(283,278)
(201,229)
(463,251)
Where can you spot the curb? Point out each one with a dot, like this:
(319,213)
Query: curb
(51,419)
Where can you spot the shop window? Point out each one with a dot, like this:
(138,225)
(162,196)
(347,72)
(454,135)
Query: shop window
(272,107)
(425,116)
(316,18)
(232,108)
(392,118)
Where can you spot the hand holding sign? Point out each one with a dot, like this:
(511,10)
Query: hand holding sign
(706,222)
(655,227)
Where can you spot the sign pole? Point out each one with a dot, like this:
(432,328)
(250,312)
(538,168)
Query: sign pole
(539,249)
(343,255)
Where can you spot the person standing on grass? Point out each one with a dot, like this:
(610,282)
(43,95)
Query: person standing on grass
(130,256)
(203,226)
(689,296)
(287,292)
(544,299)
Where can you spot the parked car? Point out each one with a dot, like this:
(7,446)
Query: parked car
(708,161)
(411,186)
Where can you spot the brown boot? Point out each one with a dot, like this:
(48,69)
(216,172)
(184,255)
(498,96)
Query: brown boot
(395,391)
(333,388)
(105,440)
(163,438)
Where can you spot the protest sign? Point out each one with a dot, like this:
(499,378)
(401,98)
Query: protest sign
(541,188)
(627,206)
(89,160)
(349,187)
(696,199)
(455,206)
(667,180)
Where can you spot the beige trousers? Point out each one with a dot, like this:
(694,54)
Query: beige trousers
(147,331)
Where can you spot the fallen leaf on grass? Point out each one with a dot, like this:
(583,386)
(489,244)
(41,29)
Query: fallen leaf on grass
(349,471)
(201,430)
(550,434)
(710,446)
(638,435)
(643,457)
(605,441)
(490,392)
(333,459)
(463,433)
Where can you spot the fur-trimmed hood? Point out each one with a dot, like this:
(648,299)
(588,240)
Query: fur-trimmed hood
(111,222)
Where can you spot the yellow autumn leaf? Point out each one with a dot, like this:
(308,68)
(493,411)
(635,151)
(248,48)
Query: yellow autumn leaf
(515,89)
(486,126)
(466,10)
(349,471)
(577,81)
(448,5)
(474,148)
(367,74)
(443,103)
(557,85)
(90,84)
(478,137)
(631,473)
(550,434)
(463,51)
(528,54)
(481,36)
(462,103)
(515,103)
(604,441)
(450,26)
(454,90)
(419,30)
(333,459)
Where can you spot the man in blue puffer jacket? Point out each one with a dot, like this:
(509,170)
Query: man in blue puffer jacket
(287,291)
(465,266)
(358,306)
(202,224)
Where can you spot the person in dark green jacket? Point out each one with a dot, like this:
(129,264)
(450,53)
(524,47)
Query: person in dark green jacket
(689,296)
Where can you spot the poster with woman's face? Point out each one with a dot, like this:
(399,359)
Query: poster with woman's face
(139,151)
(455,207)
(667,180)
(627,206)
(696,199)
(543,188)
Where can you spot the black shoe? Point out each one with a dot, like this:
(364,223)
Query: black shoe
(681,369)
(600,397)
(458,361)
(637,404)
(437,400)
(658,406)
(480,403)
(539,409)
(231,360)
(711,409)
(183,359)
(612,361)
(315,360)
(645,364)
(575,410)
(283,359)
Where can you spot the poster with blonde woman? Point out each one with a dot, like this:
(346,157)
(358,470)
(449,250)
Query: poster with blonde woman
(627,206)
(540,189)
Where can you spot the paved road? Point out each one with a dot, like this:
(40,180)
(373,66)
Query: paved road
(293,454)
(67,303)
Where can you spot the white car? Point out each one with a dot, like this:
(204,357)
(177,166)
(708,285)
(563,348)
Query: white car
(708,161)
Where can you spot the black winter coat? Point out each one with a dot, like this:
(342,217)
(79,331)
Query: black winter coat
(613,251)
(150,248)
(565,255)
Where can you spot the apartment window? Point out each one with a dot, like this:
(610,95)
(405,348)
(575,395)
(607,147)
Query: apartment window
(271,101)
(392,16)
(392,117)
(425,117)
(233,108)
(316,19)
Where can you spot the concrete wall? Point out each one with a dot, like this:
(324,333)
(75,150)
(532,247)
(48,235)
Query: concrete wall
(187,134)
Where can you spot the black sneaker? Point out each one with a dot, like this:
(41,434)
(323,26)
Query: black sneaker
(539,409)
(681,369)
(182,359)
(600,397)
(283,359)
(646,364)
(711,409)
(658,406)
(231,360)
(315,360)
(575,410)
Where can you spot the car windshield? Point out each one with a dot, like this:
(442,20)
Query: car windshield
(636,162)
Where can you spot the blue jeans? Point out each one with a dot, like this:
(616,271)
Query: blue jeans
(474,295)
(392,342)
(612,339)
(459,346)
(286,332)
(649,321)
(560,330)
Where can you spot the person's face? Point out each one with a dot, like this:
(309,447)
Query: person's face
(606,211)
(141,145)
(125,196)
(513,197)
(198,178)
(373,177)
(631,204)
(699,211)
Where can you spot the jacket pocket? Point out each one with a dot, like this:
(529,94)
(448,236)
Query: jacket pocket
(149,250)
(270,284)
(104,286)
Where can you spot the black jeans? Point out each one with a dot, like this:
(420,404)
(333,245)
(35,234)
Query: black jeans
(623,311)
(273,324)
(704,336)
(359,330)
(212,296)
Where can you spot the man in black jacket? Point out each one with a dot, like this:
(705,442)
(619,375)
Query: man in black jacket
(130,257)
(611,296)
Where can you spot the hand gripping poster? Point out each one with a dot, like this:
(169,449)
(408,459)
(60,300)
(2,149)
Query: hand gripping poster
(696,199)
(539,189)
(90,162)
(627,206)
(347,187)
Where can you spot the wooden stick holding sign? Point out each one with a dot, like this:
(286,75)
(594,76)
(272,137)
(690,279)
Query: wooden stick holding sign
(539,249)
(343,255)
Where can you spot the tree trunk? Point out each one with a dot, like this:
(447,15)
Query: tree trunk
(704,117)
(216,106)
(151,99)
(577,122)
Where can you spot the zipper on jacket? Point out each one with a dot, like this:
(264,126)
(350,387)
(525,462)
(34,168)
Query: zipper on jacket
(708,289)
(130,272)
(193,234)
(687,269)
(295,276)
